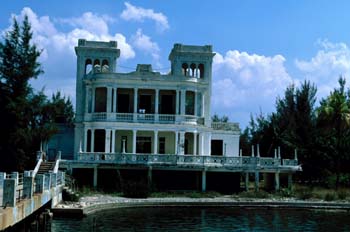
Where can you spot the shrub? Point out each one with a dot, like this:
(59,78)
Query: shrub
(342,194)
(329,197)
(304,193)
(255,194)
(135,189)
(285,193)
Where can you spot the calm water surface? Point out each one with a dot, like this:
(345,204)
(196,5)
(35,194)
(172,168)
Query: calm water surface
(206,219)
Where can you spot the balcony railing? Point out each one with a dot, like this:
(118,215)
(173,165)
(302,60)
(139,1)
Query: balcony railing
(188,160)
(226,126)
(145,118)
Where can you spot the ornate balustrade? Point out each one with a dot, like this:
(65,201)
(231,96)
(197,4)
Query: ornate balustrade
(226,126)
(186,160)
(144,118)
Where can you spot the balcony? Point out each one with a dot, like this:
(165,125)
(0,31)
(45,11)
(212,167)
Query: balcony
(242,163)
(145,118)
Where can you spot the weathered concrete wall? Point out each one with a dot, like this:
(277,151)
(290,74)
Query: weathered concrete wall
(12,215)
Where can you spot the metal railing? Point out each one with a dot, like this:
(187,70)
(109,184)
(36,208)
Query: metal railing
(178,160)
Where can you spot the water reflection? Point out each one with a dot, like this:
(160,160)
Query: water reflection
(206,219)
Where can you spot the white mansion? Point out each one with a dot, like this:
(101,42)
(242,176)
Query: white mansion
(156,122)
(145,111)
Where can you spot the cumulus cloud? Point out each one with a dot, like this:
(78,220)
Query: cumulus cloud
(145,43)
(244,83)
(58,58)
(139,14)
(330,61)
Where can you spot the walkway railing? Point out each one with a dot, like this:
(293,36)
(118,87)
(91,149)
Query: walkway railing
(226,126)
(144,118)
(181,160)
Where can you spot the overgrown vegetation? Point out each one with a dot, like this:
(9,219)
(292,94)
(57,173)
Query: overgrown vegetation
(27,117)
(321,134)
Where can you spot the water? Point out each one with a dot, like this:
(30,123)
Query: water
(206,219)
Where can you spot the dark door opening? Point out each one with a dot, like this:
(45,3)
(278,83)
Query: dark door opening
(99,143)
(167,104)
(123,103)
(146,103)
(217,147)
(143,144)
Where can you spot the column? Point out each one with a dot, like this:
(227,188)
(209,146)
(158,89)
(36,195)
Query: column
(246,181)
(114,108)
(135,104)
(204,181)
(277,181)
(176,142)
(195,143)
(290,181)
(134,132)
(85,139)
(93,100)
(177,102)
(200,144)
(203,105)
(87,99)
(107,140)
(155,142)
(109,99)
(156,105)
(182,143)
(209,143)
(149,178)
(95,177)
(195,103)
(257,180)
(93,140)
(113,141)
(183,102)
(156,101)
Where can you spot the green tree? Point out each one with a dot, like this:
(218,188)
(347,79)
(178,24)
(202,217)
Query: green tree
(334,120)
(18,64)
(217,118)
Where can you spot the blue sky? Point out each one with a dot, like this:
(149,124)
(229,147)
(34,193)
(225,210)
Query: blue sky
(261,46)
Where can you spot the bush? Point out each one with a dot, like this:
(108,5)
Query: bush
(342,194)
(329,197)
(255,194)
(135,189)
(304,193)
(285,193)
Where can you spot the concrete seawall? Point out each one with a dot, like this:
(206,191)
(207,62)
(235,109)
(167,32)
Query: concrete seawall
(86,208)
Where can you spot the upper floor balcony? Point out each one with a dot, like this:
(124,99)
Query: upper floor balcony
(112,104)
(145,118)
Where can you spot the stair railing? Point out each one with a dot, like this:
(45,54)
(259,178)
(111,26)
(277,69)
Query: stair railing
(40,157)
(57,162)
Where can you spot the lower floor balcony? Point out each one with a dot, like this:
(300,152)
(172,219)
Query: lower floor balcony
(240,163)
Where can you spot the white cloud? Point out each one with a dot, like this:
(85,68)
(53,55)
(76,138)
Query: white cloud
(330,61)
(139,14)
(244,83)
(58,57)
(144,43)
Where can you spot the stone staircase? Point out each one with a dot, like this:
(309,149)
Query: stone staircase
(45,167)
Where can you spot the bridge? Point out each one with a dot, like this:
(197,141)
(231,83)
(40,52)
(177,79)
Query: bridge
(22,194)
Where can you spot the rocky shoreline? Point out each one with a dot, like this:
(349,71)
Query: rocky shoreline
(90,204)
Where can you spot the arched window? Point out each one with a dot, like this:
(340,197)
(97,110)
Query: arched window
(88,66)
(193,68)
(201,70)
(97,66)
(105,66)
(184,69)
